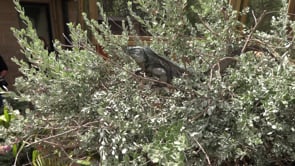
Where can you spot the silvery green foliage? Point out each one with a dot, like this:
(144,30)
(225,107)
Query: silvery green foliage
(104,111)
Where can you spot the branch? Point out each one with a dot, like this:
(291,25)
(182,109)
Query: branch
(203,150)
(54,136)
(207,26)
(257,22)
(63,133)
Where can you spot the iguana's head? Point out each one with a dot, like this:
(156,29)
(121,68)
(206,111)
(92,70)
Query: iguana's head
(137,53)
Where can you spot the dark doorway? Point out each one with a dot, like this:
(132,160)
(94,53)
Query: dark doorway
(40,17)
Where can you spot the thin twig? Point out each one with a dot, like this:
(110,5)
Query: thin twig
(255,19)
(257,22)
(207,26)
(54,136)
(64,133)
(203,150)
(19,151)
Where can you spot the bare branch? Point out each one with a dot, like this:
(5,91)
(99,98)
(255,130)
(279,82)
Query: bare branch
(203,150)
(257,22)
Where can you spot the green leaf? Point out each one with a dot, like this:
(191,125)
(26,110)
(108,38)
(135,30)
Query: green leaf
(84,162)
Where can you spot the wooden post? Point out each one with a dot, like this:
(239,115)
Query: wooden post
(82,7)
(239,5)
(291,13)
(243,18)
(236,4)
(93,9)
(93,14)
(291,9)
(57,19)
(89,7)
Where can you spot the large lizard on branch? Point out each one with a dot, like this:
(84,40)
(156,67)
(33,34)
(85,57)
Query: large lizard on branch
(154,65)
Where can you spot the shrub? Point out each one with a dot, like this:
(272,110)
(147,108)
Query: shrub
(89,110)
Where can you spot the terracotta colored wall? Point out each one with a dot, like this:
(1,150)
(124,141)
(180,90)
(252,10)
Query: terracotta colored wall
(8,44)
(9,18)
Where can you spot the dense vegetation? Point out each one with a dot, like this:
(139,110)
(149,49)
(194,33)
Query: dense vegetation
(89,110)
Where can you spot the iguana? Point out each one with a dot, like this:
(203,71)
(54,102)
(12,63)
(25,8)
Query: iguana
(154,65)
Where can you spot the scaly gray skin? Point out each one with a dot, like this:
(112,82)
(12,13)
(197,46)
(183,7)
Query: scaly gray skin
(154,65)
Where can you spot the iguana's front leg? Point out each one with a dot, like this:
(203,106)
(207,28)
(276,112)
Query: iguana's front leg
(160,73)
(139,72)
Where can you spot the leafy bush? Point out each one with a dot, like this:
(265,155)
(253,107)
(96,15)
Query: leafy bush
(88,109)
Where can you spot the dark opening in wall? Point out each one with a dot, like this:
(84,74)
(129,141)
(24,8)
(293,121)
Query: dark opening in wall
(39,15)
